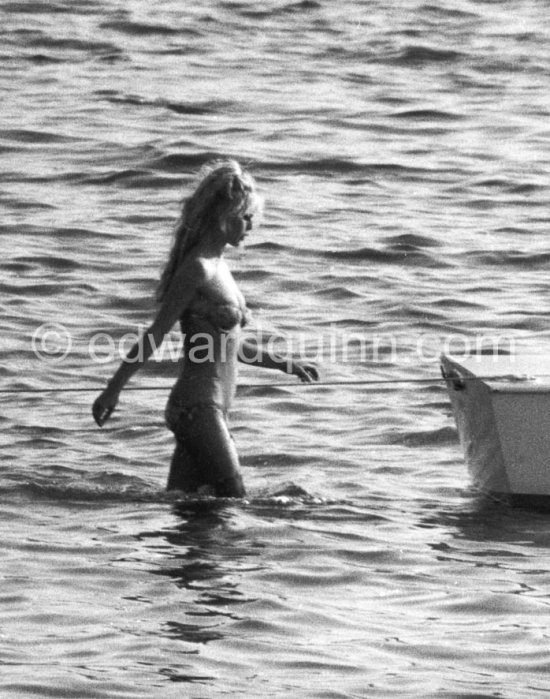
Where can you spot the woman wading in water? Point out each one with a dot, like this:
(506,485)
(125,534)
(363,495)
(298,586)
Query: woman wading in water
(196,288)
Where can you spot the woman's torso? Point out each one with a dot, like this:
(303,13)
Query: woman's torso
(211,328)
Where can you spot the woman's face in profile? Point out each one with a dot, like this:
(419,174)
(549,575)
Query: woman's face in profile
(237,227)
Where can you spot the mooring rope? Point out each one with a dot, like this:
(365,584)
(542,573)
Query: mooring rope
(312,384)
(167,387)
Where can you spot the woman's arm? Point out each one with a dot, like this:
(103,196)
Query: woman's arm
(251,353)
(182,289)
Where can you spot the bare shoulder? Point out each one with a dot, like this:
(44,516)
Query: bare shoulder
(192,272)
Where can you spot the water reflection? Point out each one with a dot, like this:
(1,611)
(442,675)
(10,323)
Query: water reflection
(480,518)
(205,556)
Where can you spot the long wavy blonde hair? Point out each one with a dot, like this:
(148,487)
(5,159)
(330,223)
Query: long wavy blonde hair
(224,189)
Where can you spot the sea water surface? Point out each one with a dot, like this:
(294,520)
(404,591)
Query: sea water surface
(403,149)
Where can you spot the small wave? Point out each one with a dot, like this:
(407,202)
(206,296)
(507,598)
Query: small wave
(427,115)
(292,8)
(64,484)
(49,42)
(339,293)
(507,63)
(445,12)
(416,55)
(347,323)
(186,108)
(492,183)
(443,435)
(31,8)
(41,59)
(362,254)
(513,230)
(509,187)
(410,310)
(408,255)
(485,289)
(24,205)
(32,136)
(252,275)
(47,289)
(60,264)
(112,177)
(456,303)
(61,233)
(329,166)
(484,204)
(322,165)
(303,6)
(414,240)
(133,179)
(527,188)
(181,162)
(404,248)
(287,495)
(190,108)
(268,246)
(290,490)
(146,29)
(17,267)
(514,258)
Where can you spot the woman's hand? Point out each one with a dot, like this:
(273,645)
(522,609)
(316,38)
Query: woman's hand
(104,406)
(305,371)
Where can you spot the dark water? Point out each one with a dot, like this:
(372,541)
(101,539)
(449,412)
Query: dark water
(404,152)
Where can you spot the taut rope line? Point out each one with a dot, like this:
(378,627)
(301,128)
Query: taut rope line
(313,384)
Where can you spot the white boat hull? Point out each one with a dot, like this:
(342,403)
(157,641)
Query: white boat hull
(503,420)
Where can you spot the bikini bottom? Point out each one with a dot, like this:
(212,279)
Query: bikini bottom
(183,418)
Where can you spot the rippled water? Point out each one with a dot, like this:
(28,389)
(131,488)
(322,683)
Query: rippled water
(403,150)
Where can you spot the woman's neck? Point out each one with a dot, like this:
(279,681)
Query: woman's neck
(212,244)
